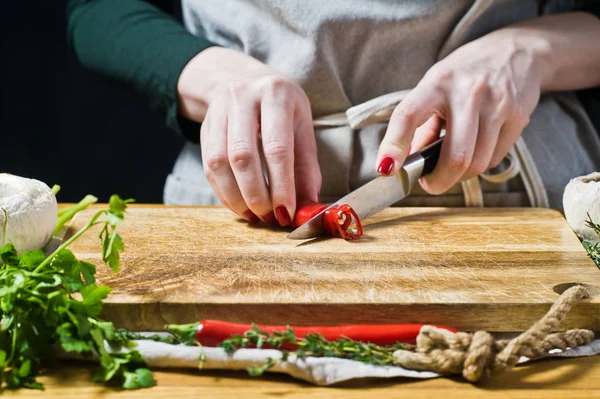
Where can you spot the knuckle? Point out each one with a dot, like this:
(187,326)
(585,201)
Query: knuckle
(277,151)
(499,97)
(254,201)
(241,158)
(394,146)
(276,85)
(458,161)
(479,88)
(522,116)
(438,74)
(216,162)
(236,88)
(405,110)
(209,175)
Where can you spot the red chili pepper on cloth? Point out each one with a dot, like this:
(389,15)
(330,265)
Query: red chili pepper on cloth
(336,221)
(212,332)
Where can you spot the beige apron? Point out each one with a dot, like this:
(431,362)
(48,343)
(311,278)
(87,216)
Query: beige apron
(349,55)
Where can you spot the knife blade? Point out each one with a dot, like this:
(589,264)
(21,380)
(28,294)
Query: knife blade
(379,193)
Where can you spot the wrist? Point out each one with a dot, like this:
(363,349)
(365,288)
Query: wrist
(530,52)
(196,86)
(207,75)
(541,53)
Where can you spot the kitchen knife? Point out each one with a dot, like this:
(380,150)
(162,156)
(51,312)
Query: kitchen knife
(379,193)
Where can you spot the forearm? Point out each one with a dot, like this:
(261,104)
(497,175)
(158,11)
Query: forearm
(566,48)
(135,44)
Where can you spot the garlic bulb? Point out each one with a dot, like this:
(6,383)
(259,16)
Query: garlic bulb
(28,212)
(582,197)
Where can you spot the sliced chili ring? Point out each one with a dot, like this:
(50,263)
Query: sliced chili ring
(338,220)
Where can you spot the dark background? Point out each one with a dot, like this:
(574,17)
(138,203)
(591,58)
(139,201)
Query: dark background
(64,125)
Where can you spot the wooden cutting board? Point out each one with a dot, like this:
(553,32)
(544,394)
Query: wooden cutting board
(493,269)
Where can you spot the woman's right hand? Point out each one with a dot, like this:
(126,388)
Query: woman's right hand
(247,107)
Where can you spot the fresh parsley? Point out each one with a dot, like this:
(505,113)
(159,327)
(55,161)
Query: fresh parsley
(51,303)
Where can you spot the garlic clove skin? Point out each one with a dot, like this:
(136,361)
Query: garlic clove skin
(582,197)
(28,212)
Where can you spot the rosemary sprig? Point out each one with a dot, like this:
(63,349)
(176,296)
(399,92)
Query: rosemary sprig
(593,250)
(310,345)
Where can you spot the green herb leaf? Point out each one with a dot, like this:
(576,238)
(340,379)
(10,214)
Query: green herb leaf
(140,378)
(110,250)
(185,333)
(38,312)
(88,271)
(8,255)
(92,298)
(70,341)
(310,345)
(31,259)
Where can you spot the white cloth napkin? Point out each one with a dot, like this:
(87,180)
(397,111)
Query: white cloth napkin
(316,370)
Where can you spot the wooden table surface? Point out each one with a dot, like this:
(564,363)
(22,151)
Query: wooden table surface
(549,378)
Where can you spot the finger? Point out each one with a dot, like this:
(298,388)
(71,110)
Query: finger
(412,112)
(216,161)
(204,145)
(508,136)
(306,165)
(427,133)
(243,152)
(457,149)
(277,128)
(487,137)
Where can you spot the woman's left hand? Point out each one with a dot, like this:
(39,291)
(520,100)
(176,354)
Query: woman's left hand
(485,93)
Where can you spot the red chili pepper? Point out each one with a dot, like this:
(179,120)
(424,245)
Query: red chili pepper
(336,221)
(212,332)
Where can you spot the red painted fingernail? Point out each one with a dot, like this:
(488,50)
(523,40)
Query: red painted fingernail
(251,217)
(282,215)
(385,166)
(270,218)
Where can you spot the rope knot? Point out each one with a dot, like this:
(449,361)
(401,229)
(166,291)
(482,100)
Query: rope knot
(479,354)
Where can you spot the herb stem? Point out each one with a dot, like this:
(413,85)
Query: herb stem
(64,215)
(65,244)
(14,341)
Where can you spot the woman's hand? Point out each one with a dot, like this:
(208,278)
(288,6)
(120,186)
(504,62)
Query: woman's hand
(485,93)
(248,108)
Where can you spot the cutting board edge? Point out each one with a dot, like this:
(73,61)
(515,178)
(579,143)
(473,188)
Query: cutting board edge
(489,317)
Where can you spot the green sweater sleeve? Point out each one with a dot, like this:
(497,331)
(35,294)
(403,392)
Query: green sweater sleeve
(139,46)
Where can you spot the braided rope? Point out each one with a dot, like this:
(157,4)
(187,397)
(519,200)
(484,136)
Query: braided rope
(479,354)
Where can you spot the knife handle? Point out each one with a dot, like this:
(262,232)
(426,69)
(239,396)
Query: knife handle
(431,155)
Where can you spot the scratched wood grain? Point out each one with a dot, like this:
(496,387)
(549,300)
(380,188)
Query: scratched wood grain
(494,269)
